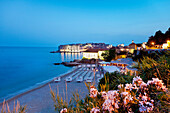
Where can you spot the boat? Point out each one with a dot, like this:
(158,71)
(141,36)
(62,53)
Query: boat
(71,64)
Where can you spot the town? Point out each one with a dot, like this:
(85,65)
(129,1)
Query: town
(95,50)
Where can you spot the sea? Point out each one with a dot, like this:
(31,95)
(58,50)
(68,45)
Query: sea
(25,68)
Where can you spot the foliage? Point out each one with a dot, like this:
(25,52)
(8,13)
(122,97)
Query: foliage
(114,79)
(16,109)
(154,54)
(136,97)
(109,55)
(159,37)
(84,58)
(150,68)
(124,93)
(62,104)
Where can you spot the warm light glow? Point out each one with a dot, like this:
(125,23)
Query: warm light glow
(152,43)
(168,42)
(121,49)
(165,46)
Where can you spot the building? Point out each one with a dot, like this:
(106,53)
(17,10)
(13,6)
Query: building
(132,47)
(94,53)
(123,64)
(73,48)
(166,45)
(159,46)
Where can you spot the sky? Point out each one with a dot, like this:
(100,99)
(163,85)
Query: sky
(49,23)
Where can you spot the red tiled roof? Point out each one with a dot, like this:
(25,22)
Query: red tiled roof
(132,44)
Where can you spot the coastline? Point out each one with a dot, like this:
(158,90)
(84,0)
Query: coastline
(33,88)
(38,100)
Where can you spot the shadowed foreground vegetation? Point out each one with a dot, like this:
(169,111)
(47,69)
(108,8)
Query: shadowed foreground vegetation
(119,93)
(16,109)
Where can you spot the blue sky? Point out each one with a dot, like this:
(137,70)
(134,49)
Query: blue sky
(54,22)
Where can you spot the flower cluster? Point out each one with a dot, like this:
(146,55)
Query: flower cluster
(95,110)
(93,92)
(137,81)
(63,110)
(125,96)
(145,103)
(158,84)
(111,102)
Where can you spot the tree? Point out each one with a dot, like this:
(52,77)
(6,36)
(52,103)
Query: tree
(159,37)
(109,55)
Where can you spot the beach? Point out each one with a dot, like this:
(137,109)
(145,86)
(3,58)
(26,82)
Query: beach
(38,100)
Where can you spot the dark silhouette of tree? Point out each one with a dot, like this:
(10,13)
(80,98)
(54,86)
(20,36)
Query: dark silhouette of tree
(159,37)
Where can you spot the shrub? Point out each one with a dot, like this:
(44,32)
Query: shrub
(151,68)
(114,79)
(16,109)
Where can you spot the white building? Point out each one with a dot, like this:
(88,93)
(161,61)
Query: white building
(94,53)
(72,48)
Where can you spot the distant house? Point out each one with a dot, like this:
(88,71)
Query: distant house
(94,53)
(72,48)
(132,47)
(153,46)
(136,46)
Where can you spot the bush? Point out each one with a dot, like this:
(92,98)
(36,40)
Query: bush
(16,109)
(151,68)
(114,79)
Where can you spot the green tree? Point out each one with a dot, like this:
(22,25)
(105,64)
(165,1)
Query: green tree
(109,55)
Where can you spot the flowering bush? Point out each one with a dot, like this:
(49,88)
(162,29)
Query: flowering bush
(135,97)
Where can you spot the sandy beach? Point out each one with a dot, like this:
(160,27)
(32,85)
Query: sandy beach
(39,100)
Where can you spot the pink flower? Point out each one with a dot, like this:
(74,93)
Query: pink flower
(120,86)
(95,110)
(124,93)
(158,83)
(116,106)
(144,98)
(104,95)
(93,92)
(128,86)
(143,85)
(137,80)
(152,101)
(63,110)
(112,94)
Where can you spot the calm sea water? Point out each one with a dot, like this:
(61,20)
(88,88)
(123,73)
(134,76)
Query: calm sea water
(26,67)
